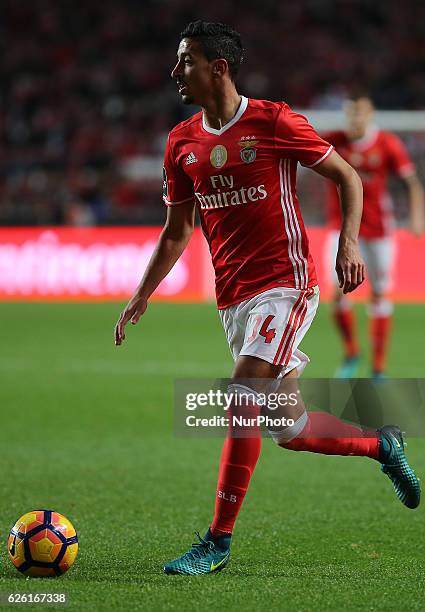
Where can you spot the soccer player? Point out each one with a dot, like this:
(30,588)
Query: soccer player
(375,154)
(235,161)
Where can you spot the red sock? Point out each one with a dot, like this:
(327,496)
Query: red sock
(345,321)
(328,435)
(380,328)
(238,460)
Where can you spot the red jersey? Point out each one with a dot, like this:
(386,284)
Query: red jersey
(243,179)
(374,156)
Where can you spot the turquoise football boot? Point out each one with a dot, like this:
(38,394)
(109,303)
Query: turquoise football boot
(379,376)
(395,466)
(205,557)
(348,368)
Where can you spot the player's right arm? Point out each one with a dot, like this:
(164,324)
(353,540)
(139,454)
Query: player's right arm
(172,242)
(178,228)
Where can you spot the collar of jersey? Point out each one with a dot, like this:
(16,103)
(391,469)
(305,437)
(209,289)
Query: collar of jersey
(367,140)
(242,108)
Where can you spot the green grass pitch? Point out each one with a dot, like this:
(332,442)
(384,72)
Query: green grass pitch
(86,429)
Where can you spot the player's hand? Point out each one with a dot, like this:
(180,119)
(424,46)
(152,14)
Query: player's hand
(417,222)
(132,312)
(350,267)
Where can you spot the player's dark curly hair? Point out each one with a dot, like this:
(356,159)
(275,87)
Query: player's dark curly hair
(218,41)
(356,92)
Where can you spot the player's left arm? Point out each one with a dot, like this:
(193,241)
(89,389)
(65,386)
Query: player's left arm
(350,266)
(416,203)
(402,165)
(296,138)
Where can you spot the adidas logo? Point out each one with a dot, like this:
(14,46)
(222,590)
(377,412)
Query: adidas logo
(191,159)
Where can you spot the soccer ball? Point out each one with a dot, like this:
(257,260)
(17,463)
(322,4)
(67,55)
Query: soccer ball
(42,543)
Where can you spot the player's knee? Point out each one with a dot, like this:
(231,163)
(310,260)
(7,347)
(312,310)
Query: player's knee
(282,426)
(341,302)
(243,410)
(380,306)
(242,394)
(292,430)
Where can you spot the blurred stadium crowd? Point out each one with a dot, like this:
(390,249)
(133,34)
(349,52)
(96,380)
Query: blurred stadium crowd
(86,98)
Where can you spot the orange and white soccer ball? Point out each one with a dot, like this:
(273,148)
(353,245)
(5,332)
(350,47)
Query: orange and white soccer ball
(42,543)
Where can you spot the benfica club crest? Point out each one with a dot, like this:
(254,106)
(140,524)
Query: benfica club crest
(248,152)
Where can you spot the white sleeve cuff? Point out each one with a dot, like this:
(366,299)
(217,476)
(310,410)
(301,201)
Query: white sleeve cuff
(168,203)
(319,161)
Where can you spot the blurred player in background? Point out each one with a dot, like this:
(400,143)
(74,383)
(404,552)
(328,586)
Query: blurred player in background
(236,161)
(375,154)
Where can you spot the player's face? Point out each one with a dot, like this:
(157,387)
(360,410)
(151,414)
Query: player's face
(359,114)
(193,73)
